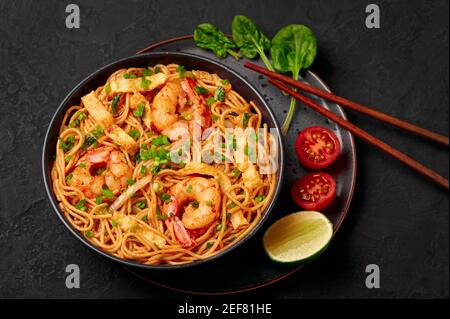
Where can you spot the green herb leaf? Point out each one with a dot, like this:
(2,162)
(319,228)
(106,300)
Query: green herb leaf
(250,40)
(208,36)
(294,48)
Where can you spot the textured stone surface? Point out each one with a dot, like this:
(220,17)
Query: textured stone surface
(398,220)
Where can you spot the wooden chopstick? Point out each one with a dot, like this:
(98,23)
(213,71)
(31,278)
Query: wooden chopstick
(352,105)
(372,140)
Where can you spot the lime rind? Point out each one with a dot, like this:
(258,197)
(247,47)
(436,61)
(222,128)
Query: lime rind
(298,237)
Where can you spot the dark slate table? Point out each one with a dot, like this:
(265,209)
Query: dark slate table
(398,220)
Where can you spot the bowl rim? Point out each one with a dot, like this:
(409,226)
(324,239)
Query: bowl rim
(63,105)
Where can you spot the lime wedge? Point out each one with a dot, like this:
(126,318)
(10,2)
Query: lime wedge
(298,237)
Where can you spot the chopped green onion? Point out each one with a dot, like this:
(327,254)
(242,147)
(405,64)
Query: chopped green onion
(89,140)
(80,205)
(145,83)
(201,90)
(89,234)
(143,169)
(74,123)
(260,198)
(68,178)
(165,197)
(98,200)
(231,205)
(210,101)
(160,140)
(158,69)
(209,203)
(107,193)
(144,218)
(139,112)
(219,226)
(81,115)
(114,223)
(134,134)
(142,204)
(219,95)
(114,103)
(130,181)
(209,244)
(161,216)
(181,70)
(147,72)
(214,117)
(236,172)
(245,119)
(68,158)
(129,76)
(98,131)
(225,81)
(82,165)
(189,188)
(107,88)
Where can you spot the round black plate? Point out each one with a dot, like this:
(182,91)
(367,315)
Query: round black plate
(248,267)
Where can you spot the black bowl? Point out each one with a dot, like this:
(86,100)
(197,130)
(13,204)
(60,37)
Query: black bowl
(190,61)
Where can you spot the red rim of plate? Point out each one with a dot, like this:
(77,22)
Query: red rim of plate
(276,279)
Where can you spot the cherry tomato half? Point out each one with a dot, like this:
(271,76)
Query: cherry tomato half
(317,147)
(314,191)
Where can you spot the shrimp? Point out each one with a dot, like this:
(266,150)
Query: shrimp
(165,105)
(170,101)
(115,176)
(205,195)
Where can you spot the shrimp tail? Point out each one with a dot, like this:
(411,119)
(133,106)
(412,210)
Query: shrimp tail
(181,234)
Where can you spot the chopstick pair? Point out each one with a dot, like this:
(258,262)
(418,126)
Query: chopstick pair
(280,81)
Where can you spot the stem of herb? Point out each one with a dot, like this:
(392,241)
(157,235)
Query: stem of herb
(234,54)
(290,115)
